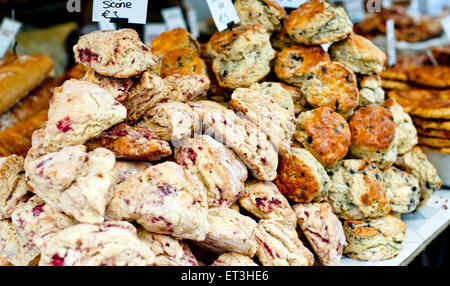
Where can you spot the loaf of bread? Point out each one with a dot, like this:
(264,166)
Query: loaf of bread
(19,77)
(17,139)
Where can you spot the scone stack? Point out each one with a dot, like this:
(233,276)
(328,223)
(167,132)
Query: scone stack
(132,168)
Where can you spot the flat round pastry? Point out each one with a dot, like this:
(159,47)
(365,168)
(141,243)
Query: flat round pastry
(268,13)
(434,132)
(394,84)
(292,64)
(433,108)
(317,22)
(408,99)
(434,141)
(432,76)
(440,150)
(333,85)
(435,124)
(182,61)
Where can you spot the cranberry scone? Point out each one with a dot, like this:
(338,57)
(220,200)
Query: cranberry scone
(133,143)
(119,54)
(233,259)
(79,111)
(218,167)
(274,120)
(113,243)
(11,248)
(323,230)
(241,135)
(117,87)
(74,181)
(230,231)
(125,169)
(265,201)
(279,245)
(13,188)
(168,250)
(164,199)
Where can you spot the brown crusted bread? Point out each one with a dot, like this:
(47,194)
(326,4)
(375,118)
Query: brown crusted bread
(432,76)
(182,61)
(433,108)
(37,100)
(19,77)
(17,139)
(175,38)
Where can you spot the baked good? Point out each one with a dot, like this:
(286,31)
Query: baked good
(283,95)
(174,39)
(432,109)
(395,85)
(13,188)
(182,61)
(436,149)
(35,221)
(317,22)
(171,121)
(217,166)
(134,143)
(29,106)
(230,231)
(370,90)
(373,135)
(17,139)
(233,259)
(107,244)
(333,85)
(301,177)
(79,111)
(292,64)
(358,54)
(240,56)
(435,142)
(20,76)
(274,120)
(357,190)
(402,190)
(440,133)
(279,245)
(405,132)
(168,250)
(11,249)
(125,169)
(119,54)
(73,181)
(240,134)
(117,87)
(323,230)
(324,133)
(374,239)
(265,201)
(164,199)
(281,39)
(4,262)
(436,124)
(268,13)
(431,76)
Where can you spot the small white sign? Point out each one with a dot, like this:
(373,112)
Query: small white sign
(355,10)
(105,25)
(391,42)
(133,10)
(8,31)
(173,17)
(192,21)
(445,22)
(223,13)
(152,31)
(291,3)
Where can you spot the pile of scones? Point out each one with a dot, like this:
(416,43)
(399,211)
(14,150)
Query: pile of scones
(261,147)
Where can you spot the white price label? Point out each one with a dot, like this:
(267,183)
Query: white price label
(391,42)
(152,31)
(8,31)
(105,25)
(223,13)
(173,17)
(445,22)
(133,10)
(291,3)
(355,10)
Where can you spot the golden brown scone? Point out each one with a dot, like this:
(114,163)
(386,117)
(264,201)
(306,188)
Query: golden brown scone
(433,132)
(431,76)
(292,64)
(435,124)
(324,133)
(373,134)
(268,13)
(434,141)
(333,85)
(433,108)
(281,40)
(317,22)
(301,177)
(173,39)
(131,143)
(182,61)
(358,54)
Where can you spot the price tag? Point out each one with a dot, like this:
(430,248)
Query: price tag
(192,20)
(223,13)
(391,42)
(291,3)
(133,10)
(355,10)
(105,25)
(8,31)
(152,31)
(445,22)
(173,17)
